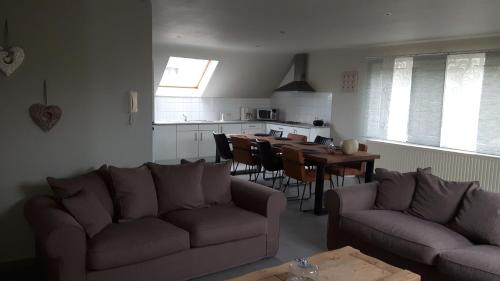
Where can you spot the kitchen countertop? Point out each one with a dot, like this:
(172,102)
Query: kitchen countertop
(202,122)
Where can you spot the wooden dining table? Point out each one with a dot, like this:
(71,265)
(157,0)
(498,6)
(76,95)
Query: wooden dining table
(319,155)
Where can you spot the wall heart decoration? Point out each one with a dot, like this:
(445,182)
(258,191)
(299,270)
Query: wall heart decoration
(11,58)
(45,116)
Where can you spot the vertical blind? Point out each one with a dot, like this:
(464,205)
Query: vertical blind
(449,101)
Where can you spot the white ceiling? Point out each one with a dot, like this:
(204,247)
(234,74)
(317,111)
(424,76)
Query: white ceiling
(318,24)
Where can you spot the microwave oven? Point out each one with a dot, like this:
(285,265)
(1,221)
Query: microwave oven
(267,114)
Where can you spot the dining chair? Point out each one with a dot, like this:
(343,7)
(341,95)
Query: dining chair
(323,140)
(296,137)
(295,168)
(244,154)
(276,133)
(270,161)
(357,169)
(222,145)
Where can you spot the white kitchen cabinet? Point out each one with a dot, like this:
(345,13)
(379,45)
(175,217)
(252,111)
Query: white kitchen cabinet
(230,128)
(311,133)
(187,144)
(253,128)
(206,144)
(319,131)
(164,142)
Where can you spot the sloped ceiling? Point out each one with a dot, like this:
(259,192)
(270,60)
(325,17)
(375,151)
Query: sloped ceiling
(240,74)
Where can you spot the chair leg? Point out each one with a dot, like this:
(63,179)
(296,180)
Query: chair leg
(343,177)
(331,183)
(359,179)
(337,178)
(303,193)
(274,178)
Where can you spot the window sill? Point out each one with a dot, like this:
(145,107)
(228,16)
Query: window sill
(434,148)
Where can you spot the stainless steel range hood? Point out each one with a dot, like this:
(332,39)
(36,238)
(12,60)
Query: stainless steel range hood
(299,83)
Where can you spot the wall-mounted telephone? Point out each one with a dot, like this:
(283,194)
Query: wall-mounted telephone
(133,106)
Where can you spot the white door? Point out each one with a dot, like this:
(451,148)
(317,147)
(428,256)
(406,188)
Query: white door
(164,142)
(206,144)
(187,144)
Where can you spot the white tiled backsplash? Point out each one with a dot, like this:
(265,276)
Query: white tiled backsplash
(300,107)
(303,107)
(171,109)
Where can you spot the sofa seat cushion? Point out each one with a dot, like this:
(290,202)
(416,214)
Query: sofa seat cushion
(135,241)
(402,234)
(218,224)
(477,263)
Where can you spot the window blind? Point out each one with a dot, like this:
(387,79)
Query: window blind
(426,102)
(378,97)
(488,137)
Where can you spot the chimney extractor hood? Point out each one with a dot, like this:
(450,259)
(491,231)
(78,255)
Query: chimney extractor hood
(299,83)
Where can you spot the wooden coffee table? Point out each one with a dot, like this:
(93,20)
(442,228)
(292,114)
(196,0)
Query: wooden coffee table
(346,264)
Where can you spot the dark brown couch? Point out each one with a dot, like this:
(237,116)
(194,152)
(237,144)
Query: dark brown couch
(432,250)
(181,245)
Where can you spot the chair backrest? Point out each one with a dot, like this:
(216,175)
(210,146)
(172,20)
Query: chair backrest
(268,157)
(360,166)
(242,150)
(323,140)
(223,146)
(276,133)
(293,163)
(296,137)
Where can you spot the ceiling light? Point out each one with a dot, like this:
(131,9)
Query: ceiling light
(282,32)
(388,14)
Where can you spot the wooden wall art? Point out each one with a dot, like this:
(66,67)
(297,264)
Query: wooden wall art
(11,57)
(349,81)
(43,115)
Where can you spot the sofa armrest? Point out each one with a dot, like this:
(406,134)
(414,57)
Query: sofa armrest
(264,201)
(60,240)
(257,198)
(346,199)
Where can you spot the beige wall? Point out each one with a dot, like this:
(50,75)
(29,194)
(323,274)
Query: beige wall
(240,74)
(326,67)
(91,52)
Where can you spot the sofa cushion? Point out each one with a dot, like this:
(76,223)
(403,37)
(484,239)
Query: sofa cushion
(479,217)
(216,182)
(218,224)
(88,211)
(395,191)
(479,263)
(438,200)
(178,186)
(93,181)
(402,234)
(135,192)
(135,241)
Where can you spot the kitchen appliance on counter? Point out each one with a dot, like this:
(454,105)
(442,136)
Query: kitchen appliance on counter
(267,114)
(246,114)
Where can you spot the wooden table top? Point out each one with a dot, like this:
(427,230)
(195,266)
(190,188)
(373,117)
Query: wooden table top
(315,152)
(346,264)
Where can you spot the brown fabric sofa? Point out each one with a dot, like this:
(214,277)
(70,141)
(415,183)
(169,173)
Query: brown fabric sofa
(433,250)
(180,245)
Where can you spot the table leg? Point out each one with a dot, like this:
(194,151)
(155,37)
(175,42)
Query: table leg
(370,165)
(217,155)
(318,196)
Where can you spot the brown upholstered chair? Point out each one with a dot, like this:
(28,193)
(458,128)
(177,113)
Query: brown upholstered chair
(296,137)
(356,169)
(295,168)
(244,153)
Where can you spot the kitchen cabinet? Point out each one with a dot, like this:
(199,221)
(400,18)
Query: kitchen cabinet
(311,133)
(230,128)
(187,143)
(253,128)
(164,143)
(206,141)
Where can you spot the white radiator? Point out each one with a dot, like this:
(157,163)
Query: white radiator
(450,165)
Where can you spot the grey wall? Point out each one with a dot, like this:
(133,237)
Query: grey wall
(91,52)
(326,67)
(240,74)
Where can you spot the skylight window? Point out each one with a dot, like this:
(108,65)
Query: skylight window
(186,77)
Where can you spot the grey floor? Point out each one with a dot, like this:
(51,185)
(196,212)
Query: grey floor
(302,234)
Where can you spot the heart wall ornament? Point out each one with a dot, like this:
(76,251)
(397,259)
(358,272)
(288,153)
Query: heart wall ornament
(11,58)
(43,115)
